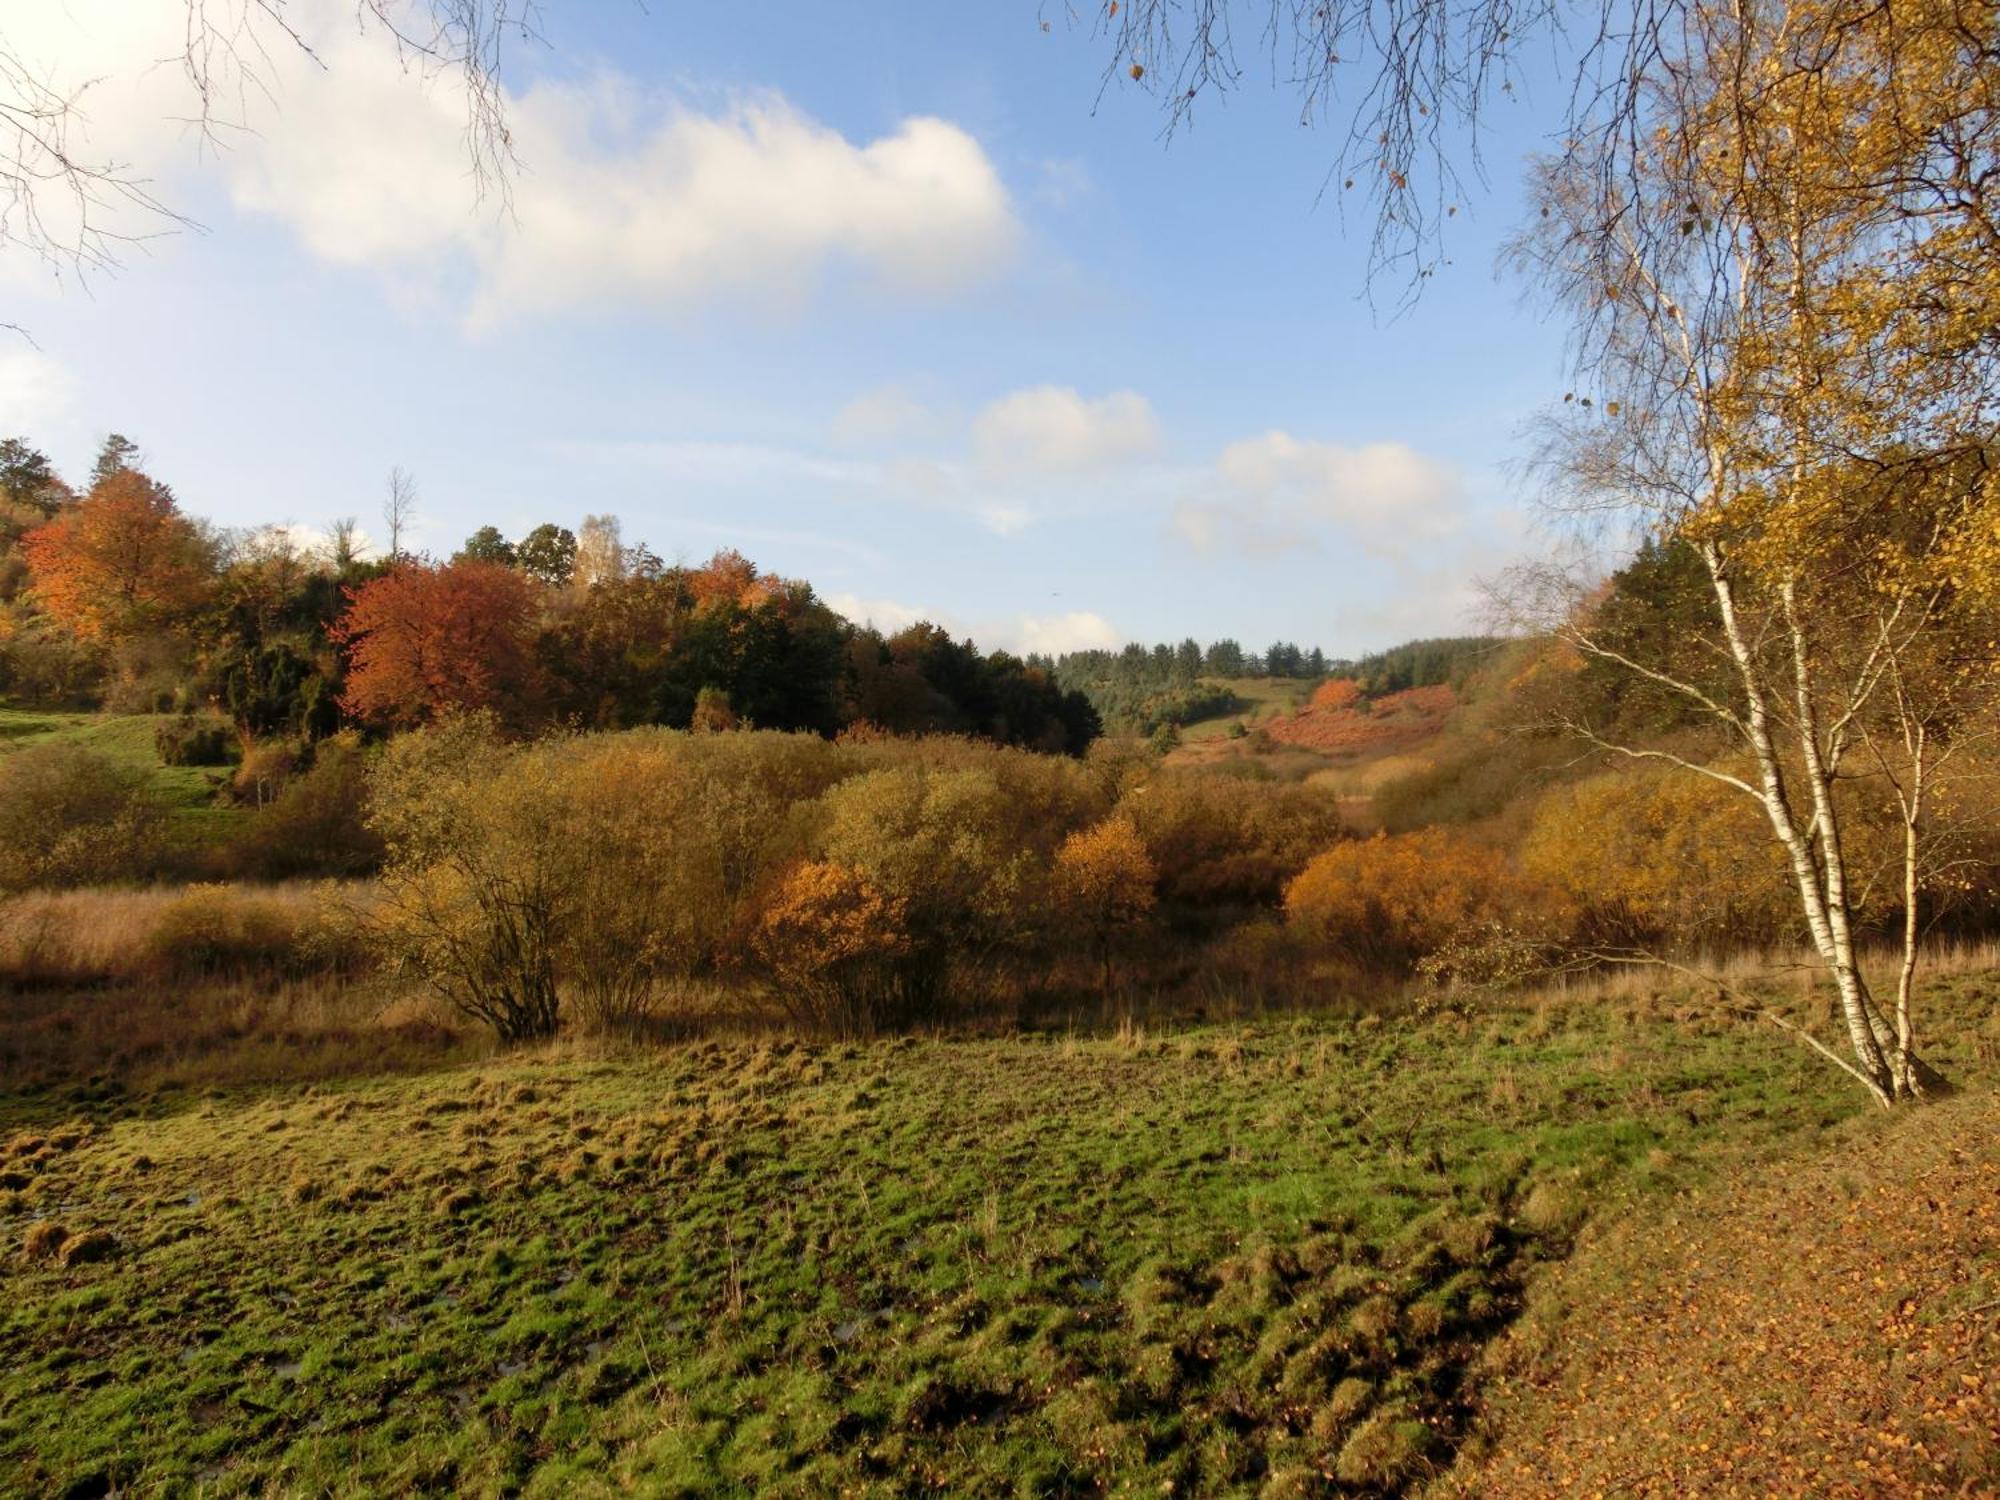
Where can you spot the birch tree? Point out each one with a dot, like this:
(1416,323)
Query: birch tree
(1785,280)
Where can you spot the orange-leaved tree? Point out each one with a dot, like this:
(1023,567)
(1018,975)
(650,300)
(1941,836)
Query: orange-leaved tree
(831,939)
(1104,882)
(425,640)
(121,561)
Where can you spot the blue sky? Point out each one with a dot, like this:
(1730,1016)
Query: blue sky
(888,297)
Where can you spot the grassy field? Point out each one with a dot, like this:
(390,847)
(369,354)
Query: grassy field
(1259,1258)
(1257,698)
(188,792)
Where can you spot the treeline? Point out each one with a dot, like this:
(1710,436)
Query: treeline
(1141,689)
(112,596)
(1443,661)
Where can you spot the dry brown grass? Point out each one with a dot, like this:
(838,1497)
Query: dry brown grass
(100,936)
(203,984)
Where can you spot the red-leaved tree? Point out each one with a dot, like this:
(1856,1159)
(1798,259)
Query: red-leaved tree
(425,639)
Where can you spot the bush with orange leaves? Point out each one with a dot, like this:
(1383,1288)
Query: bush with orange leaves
(1337,692)
(1104,884)
(837,948)
(1388,901)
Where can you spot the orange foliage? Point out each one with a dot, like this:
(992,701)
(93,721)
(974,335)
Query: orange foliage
(1395,721)
(831,937)
(425,640)
(118,561)
(1104,881)
(1391,900)
(730,577)
(1337,692)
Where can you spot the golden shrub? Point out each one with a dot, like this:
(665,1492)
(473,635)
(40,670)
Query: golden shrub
(833,942)
(1221,841)
(1669,857)
(1104,881)
(1392,899)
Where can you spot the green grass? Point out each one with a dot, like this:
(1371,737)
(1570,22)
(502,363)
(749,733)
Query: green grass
(1258,698)
(1256,1258)
(188,792)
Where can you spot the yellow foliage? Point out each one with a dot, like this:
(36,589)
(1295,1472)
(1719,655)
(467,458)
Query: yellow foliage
(1104,875)
(1669,856)
(832,941)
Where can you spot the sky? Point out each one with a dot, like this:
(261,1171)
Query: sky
(903,299)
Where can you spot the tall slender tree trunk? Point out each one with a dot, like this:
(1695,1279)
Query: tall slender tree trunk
(1831,933)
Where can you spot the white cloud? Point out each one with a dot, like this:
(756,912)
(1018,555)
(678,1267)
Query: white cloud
(37,395)
(887,414)
(1064,180)
(1277,493)
(759,199)
(886,615)
(1079,630)
(622,198)
(1051,431)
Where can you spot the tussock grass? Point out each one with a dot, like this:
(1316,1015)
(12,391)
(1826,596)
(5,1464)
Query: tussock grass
(1238,1256)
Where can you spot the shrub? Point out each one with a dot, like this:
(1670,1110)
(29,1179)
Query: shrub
(1390,900)
(1668,857)
(70,816)
(264,771)
(195,741)
(596,868)
(480,870)
(952,848)
(1225,842)
(1104,884)
(317,824)
(216,929)
(838,949)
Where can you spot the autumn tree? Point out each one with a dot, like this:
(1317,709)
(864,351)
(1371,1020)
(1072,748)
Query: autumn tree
(425,640)
(121,561)
(835,946)
(600,551)
(1786,285)
(1104,882)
